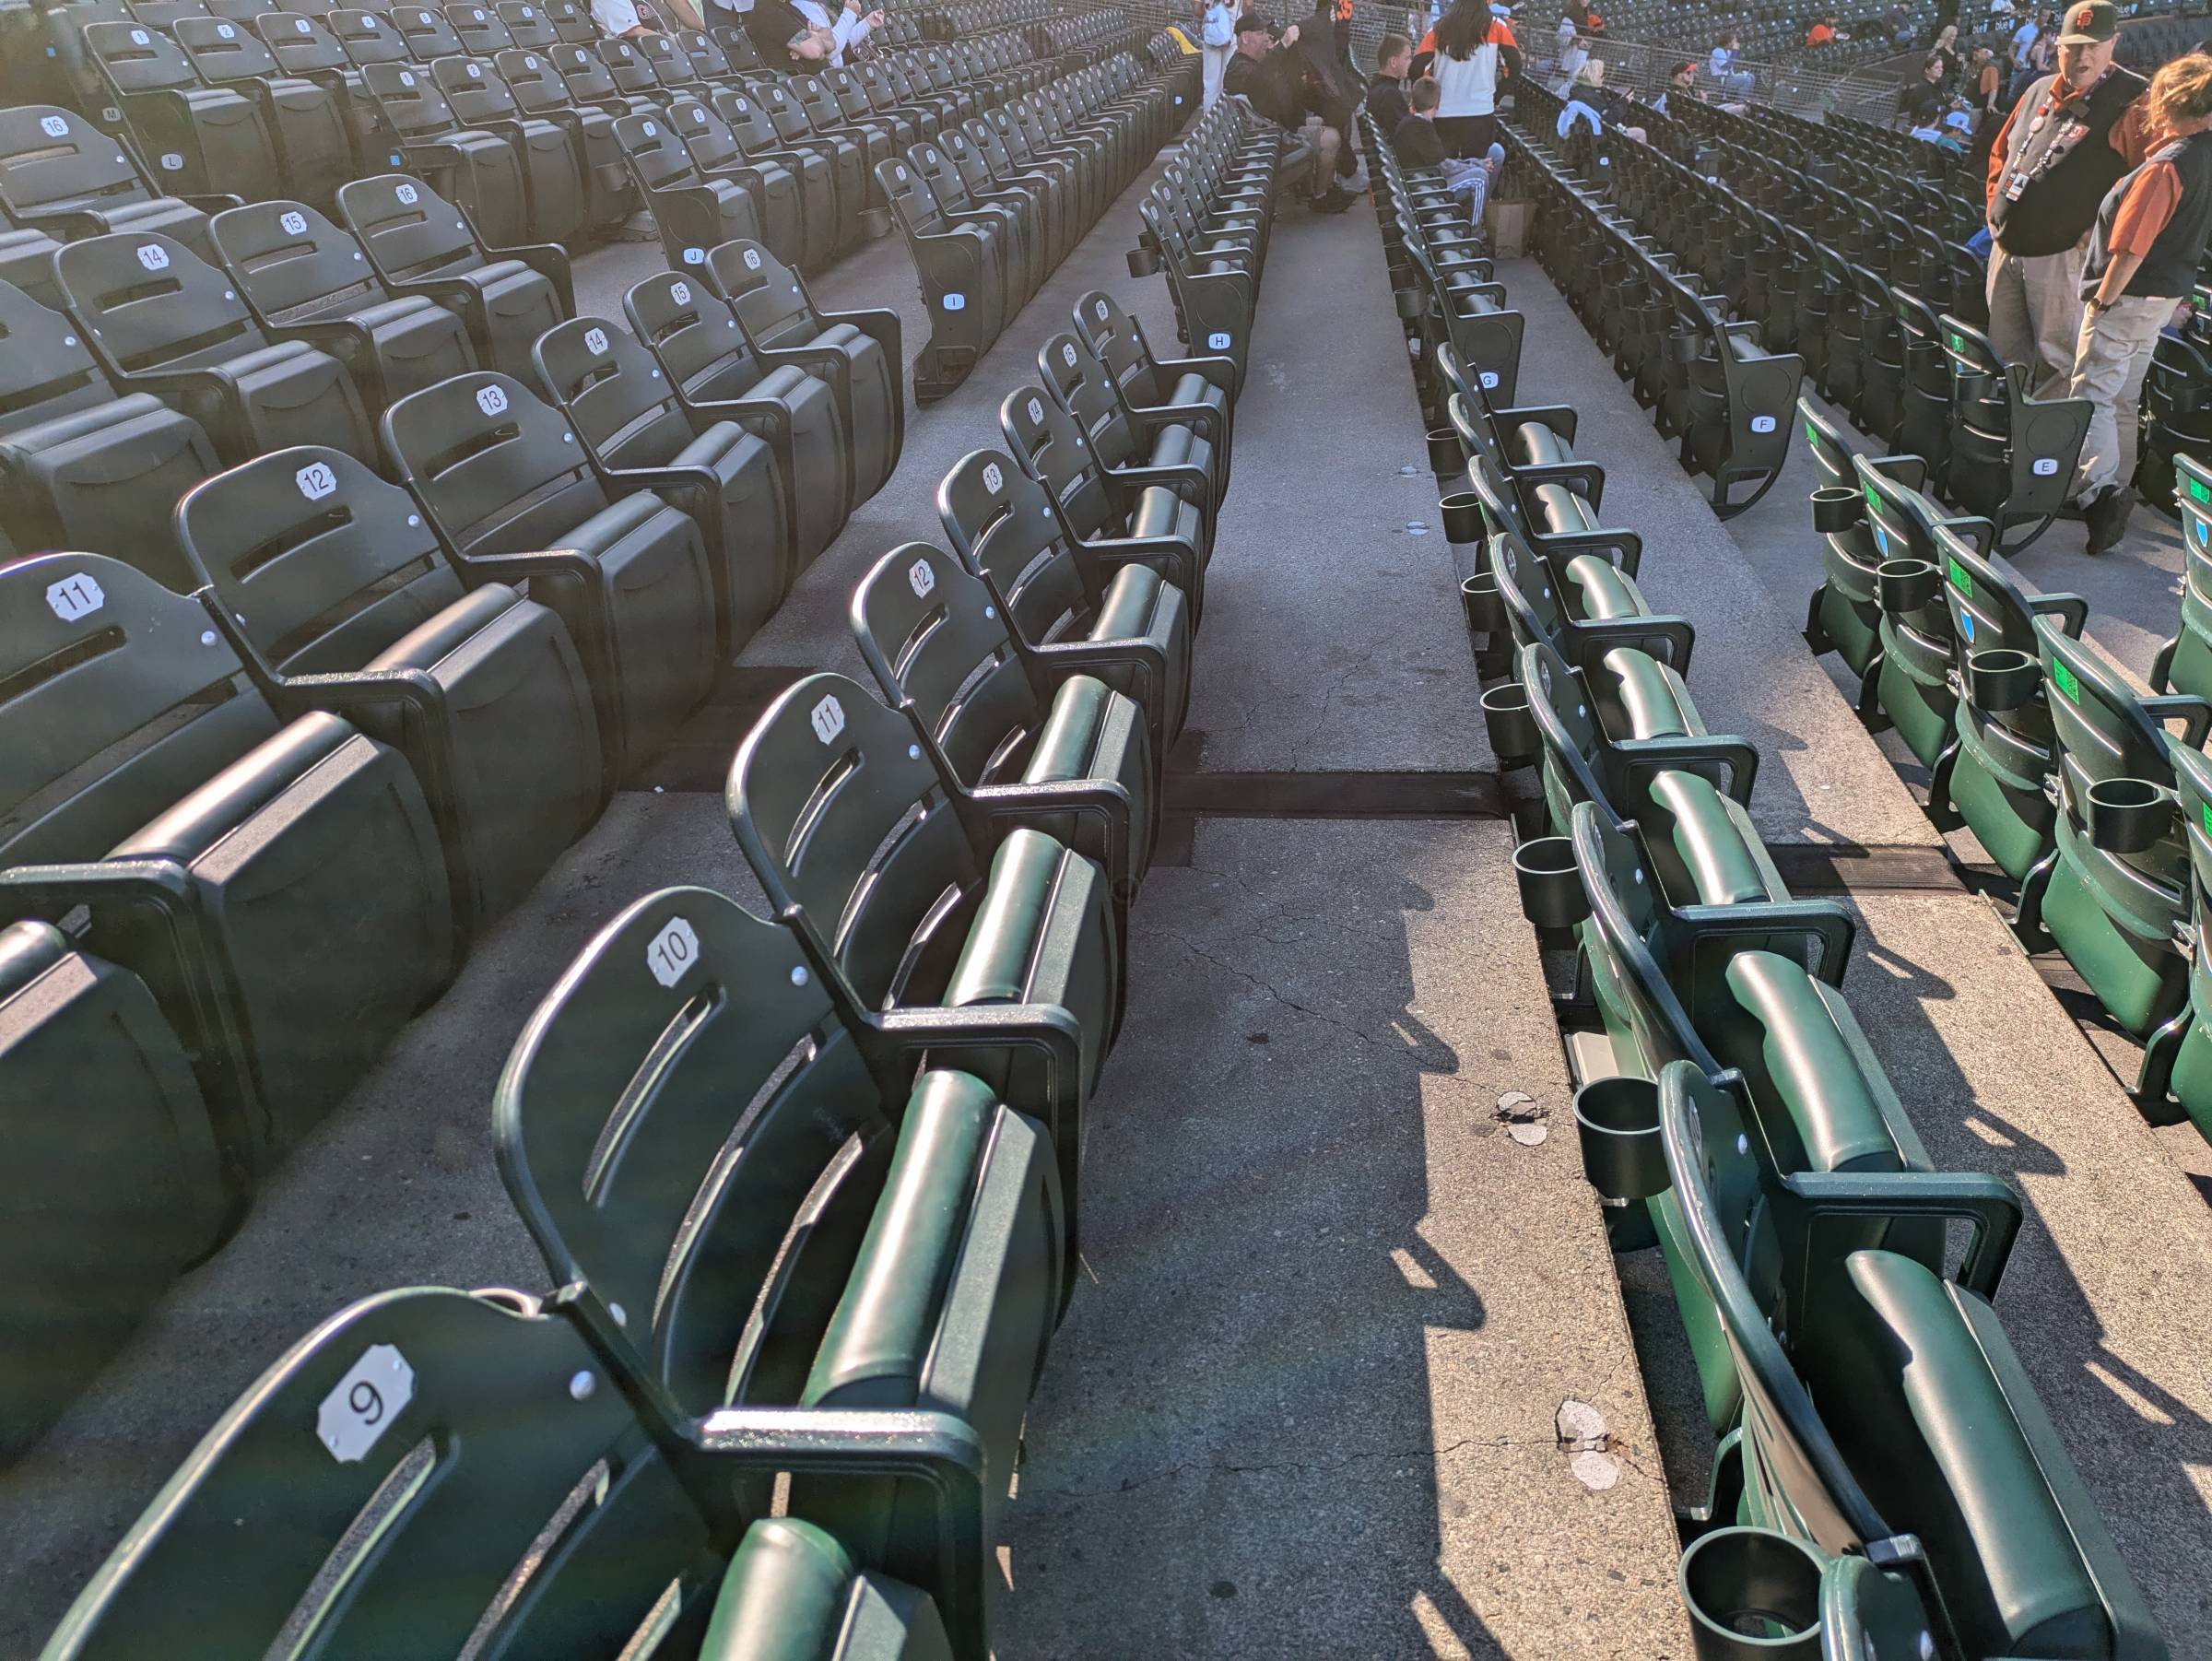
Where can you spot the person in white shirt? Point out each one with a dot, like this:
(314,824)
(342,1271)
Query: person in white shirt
(849,27)
(1217,40)
(618,18)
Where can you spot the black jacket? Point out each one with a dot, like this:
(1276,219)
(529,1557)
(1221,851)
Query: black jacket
(1416,143)
(1270,83)
(1386,103)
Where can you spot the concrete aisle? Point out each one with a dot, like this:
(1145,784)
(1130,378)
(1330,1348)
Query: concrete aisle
(1305,1401)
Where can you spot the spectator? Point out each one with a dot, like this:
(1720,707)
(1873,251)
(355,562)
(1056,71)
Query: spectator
(1387,93)
(1682,78)
(618,17)
(1593,104)
(1822,33)
(1475,51)
(2023,40)
(1720,65)
(1570,54)
(2066,144)
(1947,49)
(1327,86)
(1419,144)
(1922,104)
(818,37)
(1986,100)
(1900,25)
(2150,233)
(1272,84)
(1217,42)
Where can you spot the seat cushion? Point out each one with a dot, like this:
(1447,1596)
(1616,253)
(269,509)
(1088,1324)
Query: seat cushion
(1599,589)
(1708,840)
(1533,444)
(1901,1366)
(782,1597)
(1561,510)
(1093,731)
(1650,695)
(1195,388)
(1805,1057)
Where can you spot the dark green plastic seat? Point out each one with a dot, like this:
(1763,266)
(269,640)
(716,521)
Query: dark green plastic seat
(477,168)
(1001,713)
(969,284)
(2181,1073)
(60,172)
(1912,680)
(420,243)
(1894,1421)
(813,174)
(163,321)
(2185,663)
(717,376)
(694,211)
(551,159)
(843,158)
(920,891)
(510,492)
(467,1427)
(278,887)
(1554,506)
(1180,446)
(79,467)
(2013,455)
(339,598)
(306,123)
(640,436)
(1589,611)
(2110,896)
(817,1234)
(540,92)
(1845,613)
(793,1593)
(111,1198)
(1053,592)
(202,140)
(771,185)
(1144,379)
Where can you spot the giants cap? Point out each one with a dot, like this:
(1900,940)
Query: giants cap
(2091,23)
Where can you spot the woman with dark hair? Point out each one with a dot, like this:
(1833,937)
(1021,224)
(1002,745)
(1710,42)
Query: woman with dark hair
(1475,51)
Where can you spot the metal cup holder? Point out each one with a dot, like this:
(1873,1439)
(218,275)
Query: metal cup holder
(1144,261)
(1412,304)
(1551,888)
(2000,679)
(1686,348)
(2128,816)
(1752,1594)
(1462,516)
(1513,728)
(876,222)
(1447,455)
(1837,508)
(1618,1121)
(1906,585)
(1479,599)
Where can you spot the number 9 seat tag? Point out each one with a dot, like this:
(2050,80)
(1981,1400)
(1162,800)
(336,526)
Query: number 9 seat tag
(362,1404)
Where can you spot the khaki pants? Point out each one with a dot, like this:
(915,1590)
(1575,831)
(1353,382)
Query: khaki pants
(2112,355)
(2035,313)
(1213,63)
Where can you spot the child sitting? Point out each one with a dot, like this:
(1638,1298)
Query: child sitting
(1418,146)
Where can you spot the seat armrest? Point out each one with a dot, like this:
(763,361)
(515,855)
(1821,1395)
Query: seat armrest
(1826,924)
(1808,1202)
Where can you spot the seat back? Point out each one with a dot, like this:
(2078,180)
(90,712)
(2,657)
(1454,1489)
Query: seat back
(1115,337)
(1624,936)
(686,1124)
(45,370)
(457,1433)
(1001,521)
(632,75)
(496,469)
(293,263)
(608,385)
(670,64)
(693,334)
(97,660)
(911,200)
(224,52)
(475,91)
(480,30)
(529,27)
(134,57)
(784,111)
(148,303)
(820,102)
(368,37)
(656,152)
(2189,666)
(427,34)
(2105,730)
(1086,391)
(841,814)
(1567,727)
(766,294)
(707,138)
(931,634)
(709,63)
(749,121)
(584,72)
(531,77)
(571,21)
(320,563)
(409,96)
(1043,436)
(300,44)
(50,155)
(408,229)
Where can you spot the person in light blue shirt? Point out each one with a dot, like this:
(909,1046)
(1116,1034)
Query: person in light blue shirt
(1720,65)
(1217,40)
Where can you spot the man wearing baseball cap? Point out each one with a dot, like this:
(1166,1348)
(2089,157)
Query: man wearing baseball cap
(2066,144)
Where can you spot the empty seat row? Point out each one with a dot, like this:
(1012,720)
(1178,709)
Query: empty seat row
(1886,1484)
(790,1384)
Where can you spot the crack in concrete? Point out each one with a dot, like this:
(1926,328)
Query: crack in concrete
(1329,698)
(1272,991)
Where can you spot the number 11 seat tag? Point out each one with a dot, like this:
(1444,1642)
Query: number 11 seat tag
(362,1404)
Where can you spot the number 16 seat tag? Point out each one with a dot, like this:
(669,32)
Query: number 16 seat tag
(362,1404)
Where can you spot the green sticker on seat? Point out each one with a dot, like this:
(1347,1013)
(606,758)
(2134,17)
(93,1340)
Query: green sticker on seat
(2200,491)
(1961,578)
(1873,497)
(2066,680)
(1812,433)
(2206,816)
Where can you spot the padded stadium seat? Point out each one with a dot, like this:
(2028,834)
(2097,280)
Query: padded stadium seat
(640,436)
(857,352)
(932,636)
(552,163)
(162,320)
(828,118)
(819,235)
(420,244)
(1845,613)
(305,48)
(79,467)
(515,1405)
(200,140)
(844,158)
(59,171)
(541,94)
(692,210)
(335,592)
(2012,455)
(314,148)
(771,187)
(714,373)
(1146,381)
(278,887)
(501,477)
(428,33)
(1056,593)
(115,1198)
(1011,221)
(1180,446)
(304,279)
(961,903)
(1913,681)
(2185,663)
(480,171)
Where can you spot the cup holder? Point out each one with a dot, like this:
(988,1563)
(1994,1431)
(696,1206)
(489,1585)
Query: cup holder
(876,222)
(1462,516)
(1686,348)
(1551,888)
(1412,304)
(1144,261)
(1906,585)
(2000,679)
(1618,1121)
(1478,597)
(2128,816)
(1752,1594)
(1513,728)
(1837,508)
(1447,455)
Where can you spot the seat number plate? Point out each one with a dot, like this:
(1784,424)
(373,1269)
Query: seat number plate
(1762,423)
(695,256)
(491,400)
(993,479)
(829,719)
(673,951)
(294,224)
(680,293)
(594,340)
(316,480)
(752,259)
(956,302)
(362,1405)
(2045,465)
(53,126)
(76,596)
(171,162)
(920,578)
(1067,356)
(1036,412)
(408,194)
(153,256)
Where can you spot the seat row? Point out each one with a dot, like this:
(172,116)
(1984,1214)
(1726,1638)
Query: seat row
(363,717)
(2090,796)
(1707,377)
(807,1188)
(989,210)
(1886,1485)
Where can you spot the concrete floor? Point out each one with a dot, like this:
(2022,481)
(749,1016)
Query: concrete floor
(1305,1399)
